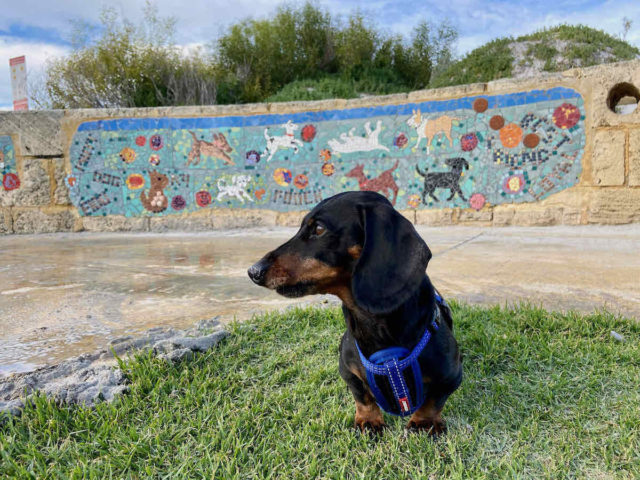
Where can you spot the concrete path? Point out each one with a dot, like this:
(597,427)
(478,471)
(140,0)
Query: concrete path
(62,295)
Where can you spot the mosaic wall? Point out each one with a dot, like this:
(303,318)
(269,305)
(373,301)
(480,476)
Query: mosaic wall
(10,180)
(466,152)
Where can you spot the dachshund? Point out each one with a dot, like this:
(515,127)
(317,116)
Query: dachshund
(450,180)
(356,246)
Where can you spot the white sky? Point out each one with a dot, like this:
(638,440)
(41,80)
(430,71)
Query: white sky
(40,29)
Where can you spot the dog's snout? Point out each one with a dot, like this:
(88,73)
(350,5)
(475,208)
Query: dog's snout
(257,272)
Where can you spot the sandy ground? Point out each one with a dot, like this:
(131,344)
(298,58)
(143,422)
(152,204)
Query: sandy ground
(66,294)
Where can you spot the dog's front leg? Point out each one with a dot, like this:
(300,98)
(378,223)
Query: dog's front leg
(368,415)
(428,417)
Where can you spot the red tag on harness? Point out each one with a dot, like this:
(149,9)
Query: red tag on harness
(404,404)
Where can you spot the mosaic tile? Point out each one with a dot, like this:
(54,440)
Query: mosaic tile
(434,154)
(10,178)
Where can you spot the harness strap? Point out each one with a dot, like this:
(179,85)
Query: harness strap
(391,363)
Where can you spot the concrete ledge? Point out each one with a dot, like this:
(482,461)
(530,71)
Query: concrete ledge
(33,220)
(115,223)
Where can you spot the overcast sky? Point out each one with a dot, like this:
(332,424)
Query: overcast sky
(40,29)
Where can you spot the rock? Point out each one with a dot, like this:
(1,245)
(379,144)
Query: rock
(91,378)
(197,344)
(12,407)
(177,355)
(617,336)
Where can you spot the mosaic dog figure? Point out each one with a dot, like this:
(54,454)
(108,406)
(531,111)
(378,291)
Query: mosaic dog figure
(285,141)
(384,183)
(236,189)
(450,180)
(429,127)
(219,148)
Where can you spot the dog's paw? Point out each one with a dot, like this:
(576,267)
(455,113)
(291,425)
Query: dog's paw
(371,427)
(433,427)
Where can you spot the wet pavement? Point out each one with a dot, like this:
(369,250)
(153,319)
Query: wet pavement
(62,295)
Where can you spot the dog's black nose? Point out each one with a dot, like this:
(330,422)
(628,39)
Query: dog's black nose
(257,272)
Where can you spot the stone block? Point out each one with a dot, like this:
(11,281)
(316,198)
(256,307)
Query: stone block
(186,223)
(600,79)
(607,159)
(503,215)
(476,217)
(614,206)
(34,189)
(290,219)
(531,216)
(634,158)
(6,222)
(38,131)
(115,223)
(60,191)
(33,220)
(435,217)
(222,219)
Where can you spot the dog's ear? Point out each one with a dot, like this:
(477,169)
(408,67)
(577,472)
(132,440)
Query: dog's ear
(392,262)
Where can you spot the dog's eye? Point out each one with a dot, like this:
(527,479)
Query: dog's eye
(319,229)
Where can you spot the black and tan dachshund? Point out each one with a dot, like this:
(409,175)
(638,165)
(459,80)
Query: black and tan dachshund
(450,180)
(356,246)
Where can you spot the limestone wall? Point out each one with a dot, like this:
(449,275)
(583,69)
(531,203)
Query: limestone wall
(542,151)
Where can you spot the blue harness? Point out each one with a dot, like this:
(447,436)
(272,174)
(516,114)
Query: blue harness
(391,364)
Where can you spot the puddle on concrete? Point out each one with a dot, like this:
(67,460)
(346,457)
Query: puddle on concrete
(68,294)
(62,295)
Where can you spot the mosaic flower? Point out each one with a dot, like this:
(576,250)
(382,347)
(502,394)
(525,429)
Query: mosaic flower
(135,181)
(328,169)
(155,142)
(178,202)
(513,184)
(413,201)
(531,140)
(325,155)
(282,176)
(141,140)
(510,135)
(308,133)
(566,115)
(203,198)
(400,141)
(477,201)
(252,157)
(259,193)
(496,122)
(301,181)
(128,155)
(480,105)
(10,181)
(154,159)
(468,142)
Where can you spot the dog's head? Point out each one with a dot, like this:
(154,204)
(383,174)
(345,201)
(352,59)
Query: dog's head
(290,127)
(220,141)
(457,164)
(353,245)
(356,171)
(415,119)
(241,180)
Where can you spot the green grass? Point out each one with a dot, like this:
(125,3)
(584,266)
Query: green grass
(545,395)
(329,87)
(495,60)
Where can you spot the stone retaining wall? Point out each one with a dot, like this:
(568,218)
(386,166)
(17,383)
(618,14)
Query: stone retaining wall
(542,151)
